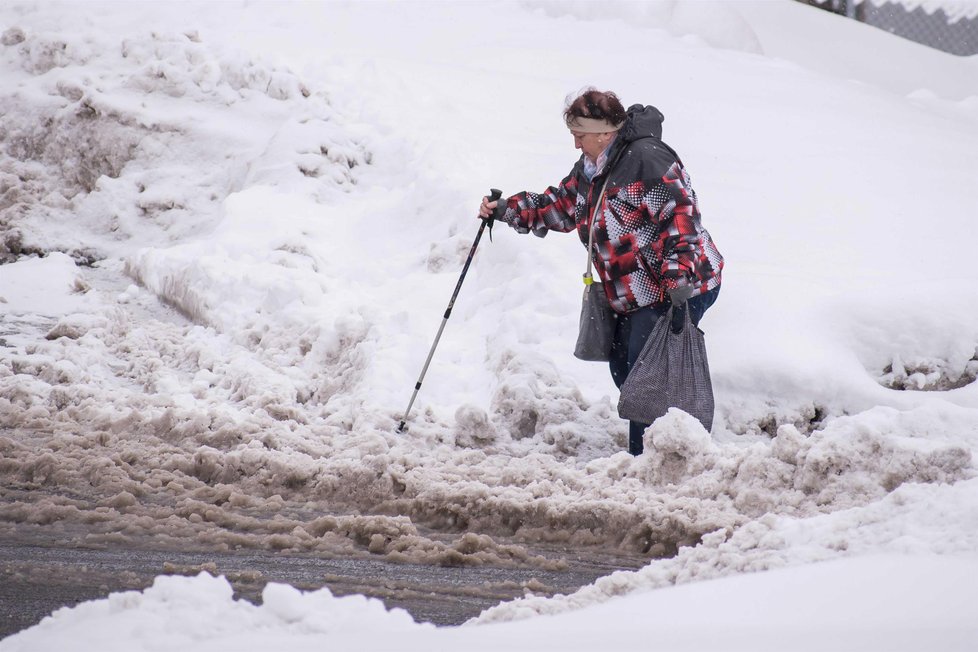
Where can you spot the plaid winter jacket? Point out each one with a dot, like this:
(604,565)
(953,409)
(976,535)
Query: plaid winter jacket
(648,237)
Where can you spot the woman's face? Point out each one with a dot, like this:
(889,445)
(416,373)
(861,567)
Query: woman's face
(591,144)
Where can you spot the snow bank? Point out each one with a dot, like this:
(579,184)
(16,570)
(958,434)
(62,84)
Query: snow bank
(912,520)
(197,613)
(49,287)
(883,602)
(138,140)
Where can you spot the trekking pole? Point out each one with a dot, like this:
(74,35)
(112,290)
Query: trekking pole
(494,195)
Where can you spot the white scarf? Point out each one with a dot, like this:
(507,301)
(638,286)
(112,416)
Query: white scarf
(592,168)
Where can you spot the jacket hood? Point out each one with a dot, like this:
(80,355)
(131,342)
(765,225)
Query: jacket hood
(642,122)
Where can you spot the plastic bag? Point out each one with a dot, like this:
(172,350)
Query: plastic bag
(671,371)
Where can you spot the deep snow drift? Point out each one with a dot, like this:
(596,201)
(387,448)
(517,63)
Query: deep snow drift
(230,232)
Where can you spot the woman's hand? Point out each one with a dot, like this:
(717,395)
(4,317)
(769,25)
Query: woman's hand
(487,208)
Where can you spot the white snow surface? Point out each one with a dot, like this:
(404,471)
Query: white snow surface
(230,233)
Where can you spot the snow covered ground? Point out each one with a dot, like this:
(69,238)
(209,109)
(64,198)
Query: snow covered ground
(230,232)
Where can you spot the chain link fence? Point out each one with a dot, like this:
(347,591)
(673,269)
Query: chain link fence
(955,35)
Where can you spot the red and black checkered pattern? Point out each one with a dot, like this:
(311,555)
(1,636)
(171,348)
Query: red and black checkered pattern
(648,236)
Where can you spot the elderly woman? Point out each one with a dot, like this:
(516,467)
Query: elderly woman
(649,246)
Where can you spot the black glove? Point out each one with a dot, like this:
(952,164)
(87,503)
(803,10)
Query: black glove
(678,297)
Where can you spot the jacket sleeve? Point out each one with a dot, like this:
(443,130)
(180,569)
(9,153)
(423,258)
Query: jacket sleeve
(552,210)
(679,233)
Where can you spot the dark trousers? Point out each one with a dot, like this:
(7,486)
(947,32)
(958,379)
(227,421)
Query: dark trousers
(631,332)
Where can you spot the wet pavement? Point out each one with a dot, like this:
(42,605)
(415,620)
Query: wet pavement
(35,580)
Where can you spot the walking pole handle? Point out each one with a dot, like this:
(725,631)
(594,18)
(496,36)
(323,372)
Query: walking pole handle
(494,195)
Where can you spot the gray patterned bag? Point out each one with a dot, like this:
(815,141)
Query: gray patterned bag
(597,331)
(671,371)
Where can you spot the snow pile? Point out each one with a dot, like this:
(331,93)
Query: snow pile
(46,287)
(912,520)
(194,613)
(882,602)
(139,140)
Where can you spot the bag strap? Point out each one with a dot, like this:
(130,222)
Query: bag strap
(588,277)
